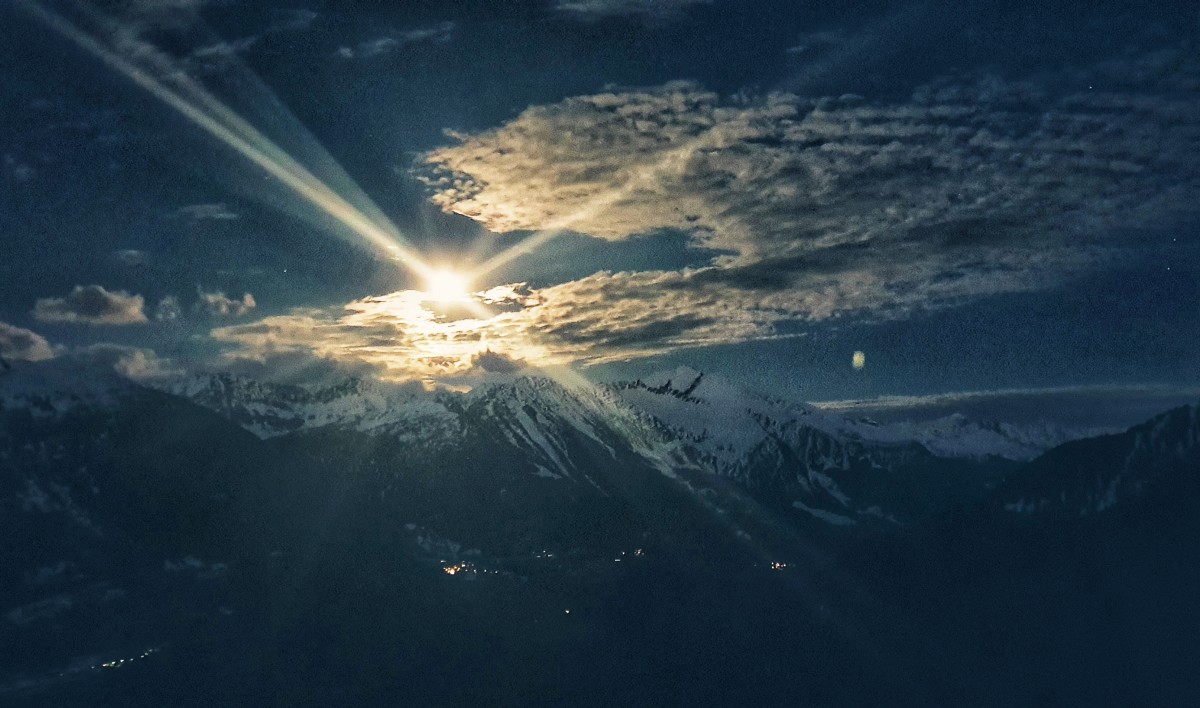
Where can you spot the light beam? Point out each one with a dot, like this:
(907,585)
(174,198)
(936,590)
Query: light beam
(199,106)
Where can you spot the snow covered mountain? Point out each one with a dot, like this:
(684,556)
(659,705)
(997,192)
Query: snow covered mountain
(733,420)
(724,420)
(698,430)
(816,464)
(270,409)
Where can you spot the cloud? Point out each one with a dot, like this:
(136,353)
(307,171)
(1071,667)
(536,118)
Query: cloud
(969,187)
(1110,407)
(601,318)
(225,49)
(131,257)
(495,362)
(217,304)
(435,34)
(219,56)
(813,209)
(291,20)
(92,305)
(147,15)
(19,344)
(168,310)
(787,175)
(218,211)
(398,336)
(604,317)
(18,171)
(135,363)
(595,9)
(816,43)
(298,366)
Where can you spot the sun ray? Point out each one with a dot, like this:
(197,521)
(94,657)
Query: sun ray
(204,110)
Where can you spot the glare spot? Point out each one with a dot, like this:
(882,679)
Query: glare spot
(447,286)
(859,360)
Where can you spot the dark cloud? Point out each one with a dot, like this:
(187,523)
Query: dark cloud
(92,305)
(496,363)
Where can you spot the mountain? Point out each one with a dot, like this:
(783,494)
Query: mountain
(269,409)
(275,409)
(710,407)
(817,465)
(727,447)
(1086,477)
(367,545)
(1069,584)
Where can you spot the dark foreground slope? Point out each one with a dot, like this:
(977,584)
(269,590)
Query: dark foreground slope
(1074,584)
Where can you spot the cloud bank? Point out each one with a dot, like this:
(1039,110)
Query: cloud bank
(812,209)
(977,165)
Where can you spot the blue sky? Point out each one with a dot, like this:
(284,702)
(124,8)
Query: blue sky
(978,196)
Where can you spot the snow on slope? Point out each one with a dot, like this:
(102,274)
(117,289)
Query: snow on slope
(680,422)
(706,412)
(729,421)
(958,436)
(268,410)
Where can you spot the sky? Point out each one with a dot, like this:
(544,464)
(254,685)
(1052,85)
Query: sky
(977,196)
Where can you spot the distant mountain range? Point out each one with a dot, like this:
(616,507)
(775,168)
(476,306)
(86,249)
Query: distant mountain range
(690,427)
(682,422)
(218,491)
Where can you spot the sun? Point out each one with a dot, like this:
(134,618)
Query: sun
(445,285)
